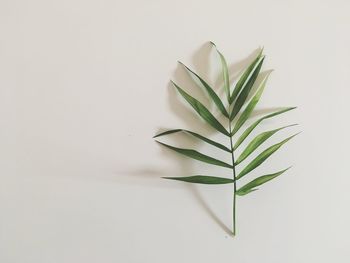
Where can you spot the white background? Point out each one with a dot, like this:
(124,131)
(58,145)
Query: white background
(84,85)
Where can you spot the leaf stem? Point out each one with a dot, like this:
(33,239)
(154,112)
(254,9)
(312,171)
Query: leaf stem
(234,183)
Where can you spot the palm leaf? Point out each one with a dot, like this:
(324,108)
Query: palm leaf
(242,80)
(249,187)
(250,107)
(209,89)
(202,179)
(197,156)
(256,142)
(262,157)
(225,74)
(245,91)
(202,111)
(238,107)
(256,123)
(216,144)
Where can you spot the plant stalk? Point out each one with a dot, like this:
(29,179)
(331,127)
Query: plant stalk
(234,183)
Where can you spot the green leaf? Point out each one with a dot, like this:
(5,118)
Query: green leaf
(210,91)
(256,142)
(256,123)
(202,111)
(245,91)
(262,157)
(249,187)
(241,193)
(250,107)
(216,144)
(202,179)
(225,73)
(242,80)
(197,156)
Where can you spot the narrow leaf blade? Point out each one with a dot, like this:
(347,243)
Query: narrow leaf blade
(242,80)
(209,90)
(262,157)
(225,73)
(245,91)
(202,179)
(242,192)
(249,187)
(250,107)
(216,144)
(202,111)
(246,133)
(197,156)
(256,142)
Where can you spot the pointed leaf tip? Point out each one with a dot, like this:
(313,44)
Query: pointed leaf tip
(225,73)
(182,64)
(261,51)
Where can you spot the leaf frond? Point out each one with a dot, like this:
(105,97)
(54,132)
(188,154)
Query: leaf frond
(242,80)
(202,111)
(214,143)
(215,98)
(257,141)
(225,74)
(202,179)
(246,133)
(246,89)
(262,157)
(250,107)
(197,156)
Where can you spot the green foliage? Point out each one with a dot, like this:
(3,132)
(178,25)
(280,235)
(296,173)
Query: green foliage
(198,156)
(250,187)
(237,113)
(202,179)
(216,144)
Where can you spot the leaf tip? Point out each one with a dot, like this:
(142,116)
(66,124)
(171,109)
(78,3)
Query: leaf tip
(261,50)
(268,74)
(291,137)
(169,178)
(289,108)
(156,135)
(174,84)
